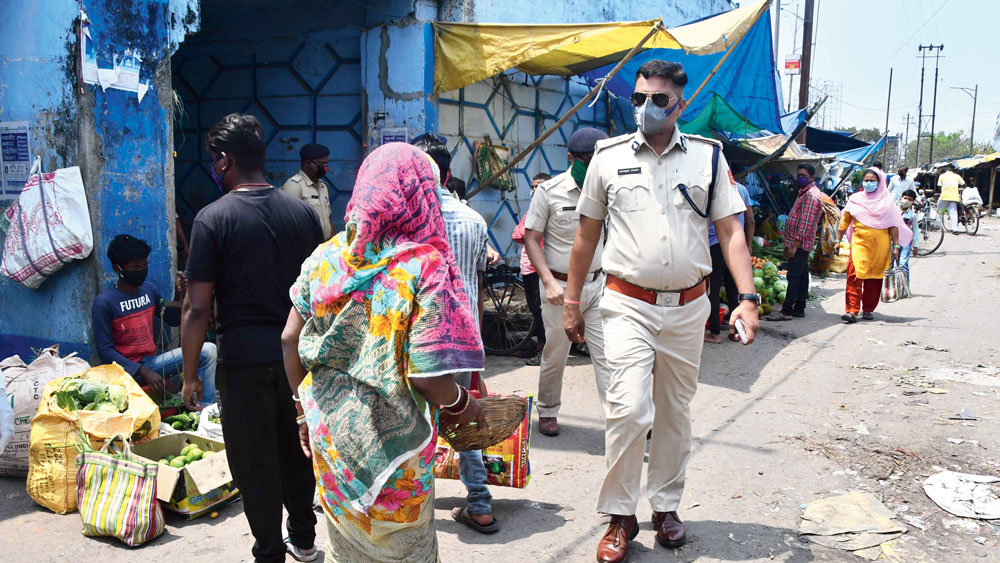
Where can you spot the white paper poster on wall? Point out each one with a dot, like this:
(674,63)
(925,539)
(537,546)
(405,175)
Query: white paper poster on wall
(124,75)
(15,158)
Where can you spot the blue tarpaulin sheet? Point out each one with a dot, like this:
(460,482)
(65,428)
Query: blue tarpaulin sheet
(745,81)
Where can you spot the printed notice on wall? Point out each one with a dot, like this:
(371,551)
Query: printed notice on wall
(15,158)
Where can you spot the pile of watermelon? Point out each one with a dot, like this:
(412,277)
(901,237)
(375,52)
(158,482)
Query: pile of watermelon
(771,285)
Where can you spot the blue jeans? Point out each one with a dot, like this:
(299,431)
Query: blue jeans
(904,262)
(170,364)
(472,470)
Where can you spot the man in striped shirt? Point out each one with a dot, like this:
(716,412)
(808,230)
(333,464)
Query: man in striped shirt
(467,236)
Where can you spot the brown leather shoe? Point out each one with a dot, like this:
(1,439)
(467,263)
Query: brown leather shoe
(547,425)
(670,531)
(614,545)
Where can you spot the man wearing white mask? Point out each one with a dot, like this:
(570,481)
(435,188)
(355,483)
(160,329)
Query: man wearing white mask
(658,189)
(900,183)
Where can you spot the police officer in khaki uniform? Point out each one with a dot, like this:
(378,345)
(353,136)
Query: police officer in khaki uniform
(307,186)
(553,215)
(658,189)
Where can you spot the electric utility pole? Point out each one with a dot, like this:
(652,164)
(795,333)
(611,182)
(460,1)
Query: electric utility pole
(807,32)
(937,57)
(974,92)
(906,138)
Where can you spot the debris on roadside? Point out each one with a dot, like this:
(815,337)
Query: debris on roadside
(852,521)
(964,494)
(964,415)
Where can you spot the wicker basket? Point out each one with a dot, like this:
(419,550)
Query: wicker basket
(503,414)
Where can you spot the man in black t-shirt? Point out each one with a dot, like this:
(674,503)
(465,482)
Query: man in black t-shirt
(247,248)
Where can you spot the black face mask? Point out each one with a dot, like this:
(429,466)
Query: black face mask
(134,277)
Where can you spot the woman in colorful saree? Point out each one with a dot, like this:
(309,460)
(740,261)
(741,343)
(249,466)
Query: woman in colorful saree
(380,321)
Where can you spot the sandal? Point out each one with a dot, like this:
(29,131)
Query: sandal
(778,316)
(867,315)
(849,318)
(461,515)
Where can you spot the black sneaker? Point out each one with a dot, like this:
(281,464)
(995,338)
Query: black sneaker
(849,318)
(798,315)
(535,360)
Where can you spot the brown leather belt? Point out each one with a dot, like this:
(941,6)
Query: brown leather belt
(564,277)
(666,298)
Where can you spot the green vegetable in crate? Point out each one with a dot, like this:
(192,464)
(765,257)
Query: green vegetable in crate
(770,270)
(758,283)
(185,421)
(80,393)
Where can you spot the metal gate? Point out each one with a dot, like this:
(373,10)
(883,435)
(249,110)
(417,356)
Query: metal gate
(306,89)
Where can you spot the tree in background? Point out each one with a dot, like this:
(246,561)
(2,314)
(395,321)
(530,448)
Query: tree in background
(867,134)
(946,145)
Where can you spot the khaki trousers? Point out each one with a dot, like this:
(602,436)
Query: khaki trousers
(557,344)
(654,359)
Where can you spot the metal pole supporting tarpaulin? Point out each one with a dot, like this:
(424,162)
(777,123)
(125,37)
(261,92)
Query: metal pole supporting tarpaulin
(791,137)
(657,27)
(596,89)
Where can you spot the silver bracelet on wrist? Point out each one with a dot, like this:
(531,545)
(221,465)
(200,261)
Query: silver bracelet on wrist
(457,399)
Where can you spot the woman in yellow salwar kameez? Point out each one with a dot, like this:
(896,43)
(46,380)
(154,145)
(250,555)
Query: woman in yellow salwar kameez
(875,230)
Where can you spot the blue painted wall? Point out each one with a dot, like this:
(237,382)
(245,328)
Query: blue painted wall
(121,145)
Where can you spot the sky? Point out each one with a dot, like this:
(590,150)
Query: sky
(858,41)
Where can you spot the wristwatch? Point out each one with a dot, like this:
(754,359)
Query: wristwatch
(755,297)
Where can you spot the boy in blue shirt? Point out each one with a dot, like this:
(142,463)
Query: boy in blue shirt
(910,218)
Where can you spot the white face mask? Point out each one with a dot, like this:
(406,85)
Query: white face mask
(905,204)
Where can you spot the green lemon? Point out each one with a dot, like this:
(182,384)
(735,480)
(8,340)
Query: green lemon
(170,458)
(187,449)
(164,462)
(178,462)
(195,454)
(206,454)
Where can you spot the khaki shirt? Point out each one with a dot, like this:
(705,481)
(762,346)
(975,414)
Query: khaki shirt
(553,213)
(316,194)
(655,238)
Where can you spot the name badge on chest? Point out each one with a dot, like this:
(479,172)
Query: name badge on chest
(629,171)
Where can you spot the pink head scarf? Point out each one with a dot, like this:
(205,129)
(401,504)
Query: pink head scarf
(878,209)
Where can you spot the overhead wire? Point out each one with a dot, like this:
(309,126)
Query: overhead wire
(904,43)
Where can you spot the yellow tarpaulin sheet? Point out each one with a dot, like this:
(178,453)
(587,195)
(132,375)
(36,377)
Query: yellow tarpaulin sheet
(966,163)
(468,53)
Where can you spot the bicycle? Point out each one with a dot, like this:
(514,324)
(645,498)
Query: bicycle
(968,217)
(507,323)
(930,224)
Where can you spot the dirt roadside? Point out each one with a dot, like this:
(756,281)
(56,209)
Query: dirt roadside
(814,408)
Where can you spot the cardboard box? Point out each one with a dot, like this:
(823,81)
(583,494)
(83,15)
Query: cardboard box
(196,488)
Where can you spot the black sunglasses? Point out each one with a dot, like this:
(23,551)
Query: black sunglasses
(659,99)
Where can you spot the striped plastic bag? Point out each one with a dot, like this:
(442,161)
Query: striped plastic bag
(116,493)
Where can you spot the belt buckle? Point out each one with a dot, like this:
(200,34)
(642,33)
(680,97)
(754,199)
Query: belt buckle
(668,298)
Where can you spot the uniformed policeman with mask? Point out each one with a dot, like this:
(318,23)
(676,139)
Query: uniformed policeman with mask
(658,189)
(553,216)
(307,185)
